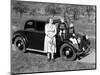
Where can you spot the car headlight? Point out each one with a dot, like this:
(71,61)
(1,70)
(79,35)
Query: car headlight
(79,40)
(73,34)
(86,37)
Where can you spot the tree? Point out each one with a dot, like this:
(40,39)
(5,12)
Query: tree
(76,13)
(32,12)
(89,11)
(73,13)
(20,8)
(66,18)
(53,10)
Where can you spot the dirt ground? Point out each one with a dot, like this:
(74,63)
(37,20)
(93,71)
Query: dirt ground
(30,62)
(89,59)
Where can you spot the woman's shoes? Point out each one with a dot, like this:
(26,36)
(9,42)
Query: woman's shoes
(51,60)
(48,60)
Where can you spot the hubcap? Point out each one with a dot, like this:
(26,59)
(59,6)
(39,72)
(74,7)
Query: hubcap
(68,52)
(20,45)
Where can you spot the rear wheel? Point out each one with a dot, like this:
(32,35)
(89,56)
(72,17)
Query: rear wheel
(20,44)
(67,52)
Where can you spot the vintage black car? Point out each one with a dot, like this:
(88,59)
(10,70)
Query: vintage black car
(32,38)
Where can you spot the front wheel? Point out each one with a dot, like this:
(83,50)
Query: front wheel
(19,44)
(67,52)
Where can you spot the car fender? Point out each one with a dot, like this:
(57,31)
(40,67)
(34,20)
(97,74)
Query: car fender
(68,42)
(20,34)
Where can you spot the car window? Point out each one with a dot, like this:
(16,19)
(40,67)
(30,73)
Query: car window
(30,24)
(40,26)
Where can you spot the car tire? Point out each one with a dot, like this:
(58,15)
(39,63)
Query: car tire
(67,52)
(20,44)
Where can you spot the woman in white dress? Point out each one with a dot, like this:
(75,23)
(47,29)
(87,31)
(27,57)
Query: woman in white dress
(50,40)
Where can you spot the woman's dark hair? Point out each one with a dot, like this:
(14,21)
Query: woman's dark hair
(49,19)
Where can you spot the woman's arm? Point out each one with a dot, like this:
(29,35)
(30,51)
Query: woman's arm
(55,30)
(46,30)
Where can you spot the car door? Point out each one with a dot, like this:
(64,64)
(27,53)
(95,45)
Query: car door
(37,36)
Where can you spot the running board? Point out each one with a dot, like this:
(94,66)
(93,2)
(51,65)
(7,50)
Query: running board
(34,50)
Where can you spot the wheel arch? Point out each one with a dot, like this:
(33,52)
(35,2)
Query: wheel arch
(22,35)
(74,56)
(69,43)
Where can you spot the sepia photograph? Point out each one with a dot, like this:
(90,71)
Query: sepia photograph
(52,37)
